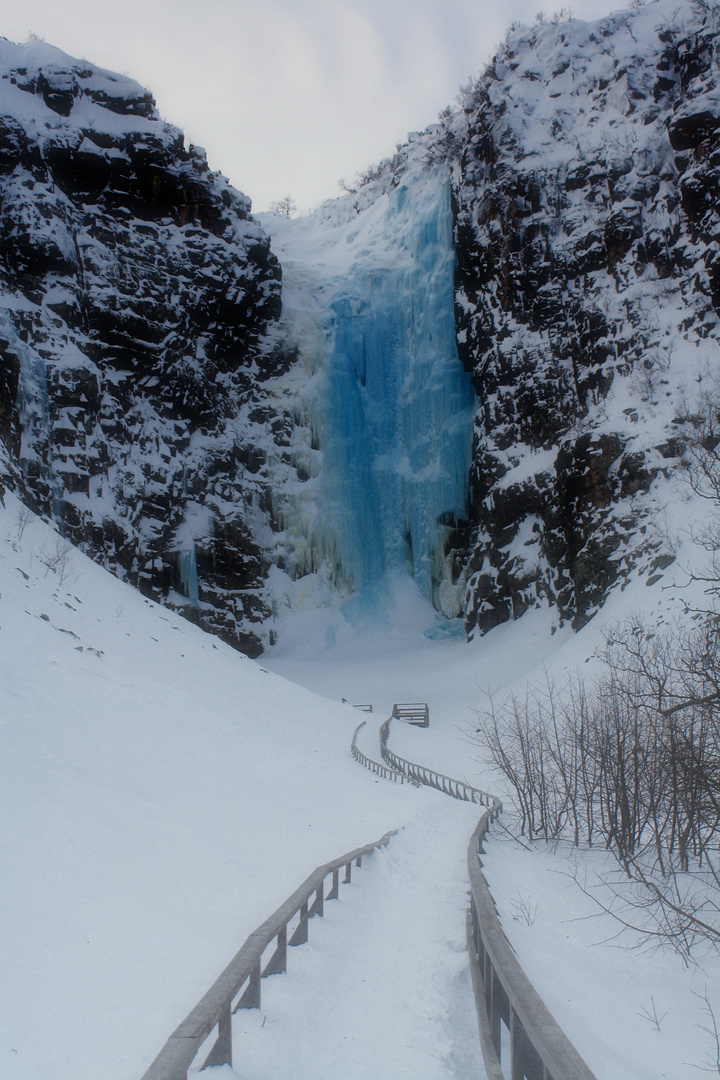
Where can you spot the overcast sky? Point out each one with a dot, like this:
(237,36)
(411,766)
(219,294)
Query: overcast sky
(287,96)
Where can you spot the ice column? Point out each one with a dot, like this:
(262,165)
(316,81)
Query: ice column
(397,406)
(197,524)
(36,449)
(187,568)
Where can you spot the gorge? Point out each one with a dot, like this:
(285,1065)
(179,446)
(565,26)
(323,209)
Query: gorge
(473,376)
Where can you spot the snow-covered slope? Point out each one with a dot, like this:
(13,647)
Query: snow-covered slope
(161,796)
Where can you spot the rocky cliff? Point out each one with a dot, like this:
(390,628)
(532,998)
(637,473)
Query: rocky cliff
(150,398)
(138,299)
(583,170)
(588,283)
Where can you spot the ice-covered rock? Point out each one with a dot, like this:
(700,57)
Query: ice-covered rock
(587,291)
(584,182)
(137,302)
(489,357)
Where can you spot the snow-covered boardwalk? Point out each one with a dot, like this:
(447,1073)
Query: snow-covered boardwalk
(388,974)
(382,987)
(382,976)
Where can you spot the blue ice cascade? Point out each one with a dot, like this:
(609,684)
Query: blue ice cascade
(396,405)
(34,413)
(187,568)
(197,524)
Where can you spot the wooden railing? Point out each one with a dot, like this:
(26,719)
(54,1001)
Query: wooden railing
(362,708)
(371,764)
(413,712)
(420,774)
(539,1049)
(239,985)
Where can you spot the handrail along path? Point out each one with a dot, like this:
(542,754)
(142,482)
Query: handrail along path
(375,766)
(245,970)
(539,1049)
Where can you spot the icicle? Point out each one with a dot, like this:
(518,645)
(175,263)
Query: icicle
(187,567)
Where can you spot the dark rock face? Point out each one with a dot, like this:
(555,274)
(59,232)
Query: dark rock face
(139,333)
(587,196)
(137,307)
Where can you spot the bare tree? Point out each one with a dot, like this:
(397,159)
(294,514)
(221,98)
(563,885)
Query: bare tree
(58,561)
(631,760)
(285,207)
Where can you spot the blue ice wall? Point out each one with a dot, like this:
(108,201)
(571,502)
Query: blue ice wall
(396,405)
(187,567)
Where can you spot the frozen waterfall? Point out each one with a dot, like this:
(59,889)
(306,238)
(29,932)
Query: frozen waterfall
(386,398)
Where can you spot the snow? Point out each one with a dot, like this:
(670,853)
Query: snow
(598,985)
(21,65)
(363,995)
(162,795)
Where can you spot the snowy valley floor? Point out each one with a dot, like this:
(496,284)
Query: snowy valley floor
(603,989)
(162,795)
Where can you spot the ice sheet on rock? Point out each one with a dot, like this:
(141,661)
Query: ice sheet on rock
(391,405)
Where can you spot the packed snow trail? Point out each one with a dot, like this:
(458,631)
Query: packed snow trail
(382,988)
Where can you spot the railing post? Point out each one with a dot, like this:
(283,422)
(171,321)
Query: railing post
(335,889)
(317,907)
(300,934)
(278,961)
(494,1013)
(221,1053)
(516,1069)
(251,996)
(526,1062)
(476,933)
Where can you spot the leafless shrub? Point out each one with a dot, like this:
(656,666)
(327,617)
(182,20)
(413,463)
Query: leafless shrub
(711,1028)
(286,207)
(24,516)
(524,909)
(650,1013)
(629,760)
(58,561)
